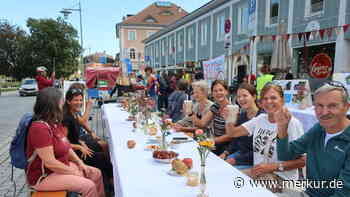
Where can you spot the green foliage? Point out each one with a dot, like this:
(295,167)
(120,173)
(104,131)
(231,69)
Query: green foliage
(50,43)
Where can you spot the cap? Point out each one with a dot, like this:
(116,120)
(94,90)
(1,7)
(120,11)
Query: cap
(41,69)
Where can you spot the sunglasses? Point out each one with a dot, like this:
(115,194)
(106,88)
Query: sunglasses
(337,84)
(75,91)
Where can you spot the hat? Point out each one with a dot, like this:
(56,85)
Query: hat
(41,69)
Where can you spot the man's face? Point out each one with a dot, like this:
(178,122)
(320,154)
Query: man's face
(330,109)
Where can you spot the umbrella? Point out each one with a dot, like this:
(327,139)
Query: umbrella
(281,56)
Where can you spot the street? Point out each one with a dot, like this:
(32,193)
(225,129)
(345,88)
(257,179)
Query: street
(12,108)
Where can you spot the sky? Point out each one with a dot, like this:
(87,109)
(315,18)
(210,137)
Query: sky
(99,17)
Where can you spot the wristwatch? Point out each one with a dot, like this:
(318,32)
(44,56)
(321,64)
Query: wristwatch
(280,167)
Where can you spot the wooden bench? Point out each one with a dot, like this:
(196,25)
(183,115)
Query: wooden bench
(49,194)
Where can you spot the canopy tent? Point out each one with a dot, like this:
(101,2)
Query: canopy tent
(96,74)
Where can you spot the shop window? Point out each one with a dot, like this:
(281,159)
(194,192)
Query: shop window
(316,6)
(179,42)
(132,54)
(171,45)
(204,33)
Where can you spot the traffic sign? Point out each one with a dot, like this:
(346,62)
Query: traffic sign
(227,26)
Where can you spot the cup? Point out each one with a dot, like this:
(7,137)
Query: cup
(188,107)
(193,179)
(232,113)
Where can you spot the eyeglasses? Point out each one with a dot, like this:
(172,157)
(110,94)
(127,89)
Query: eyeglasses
(338,84)
(75,91)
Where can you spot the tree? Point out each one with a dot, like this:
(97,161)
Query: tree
(55,44)
(50,43)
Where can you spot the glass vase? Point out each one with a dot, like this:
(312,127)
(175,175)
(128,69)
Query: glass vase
(163,145)
(202,182)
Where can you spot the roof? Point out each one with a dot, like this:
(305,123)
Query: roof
(163,13)
(211,5)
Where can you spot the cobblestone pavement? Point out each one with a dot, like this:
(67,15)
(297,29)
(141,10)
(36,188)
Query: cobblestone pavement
(12,108)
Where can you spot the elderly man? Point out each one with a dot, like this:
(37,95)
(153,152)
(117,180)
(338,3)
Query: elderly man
(42,80)
(327,144)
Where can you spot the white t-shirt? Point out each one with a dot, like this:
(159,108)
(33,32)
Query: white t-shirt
(265,141)
(329,136)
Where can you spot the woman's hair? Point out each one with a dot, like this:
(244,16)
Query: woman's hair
(182,85)
(77,86)
(202,85)
(149,69)
(250,88)
(221,82)
(47,106)
(70,94)
(272,86)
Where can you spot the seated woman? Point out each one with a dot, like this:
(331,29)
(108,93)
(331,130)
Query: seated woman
(90,151)
(176,101)
(86,133)
(219,91)
(54,155)
(240,151)
(200,107)
(264,130)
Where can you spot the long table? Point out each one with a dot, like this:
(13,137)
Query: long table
(137,174)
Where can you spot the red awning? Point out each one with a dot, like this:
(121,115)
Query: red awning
(109,74)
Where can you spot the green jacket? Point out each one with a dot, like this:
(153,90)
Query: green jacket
(261,81)
(323,163)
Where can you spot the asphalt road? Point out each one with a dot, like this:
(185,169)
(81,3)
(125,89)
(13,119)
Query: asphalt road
(12,107)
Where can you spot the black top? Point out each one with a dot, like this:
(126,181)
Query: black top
(73,127)
(243,144)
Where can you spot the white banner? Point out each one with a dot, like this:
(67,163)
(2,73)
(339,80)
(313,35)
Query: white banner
(214,69)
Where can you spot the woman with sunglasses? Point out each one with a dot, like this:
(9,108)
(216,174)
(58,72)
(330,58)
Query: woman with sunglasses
(56,166)
(263,128)
(88,149)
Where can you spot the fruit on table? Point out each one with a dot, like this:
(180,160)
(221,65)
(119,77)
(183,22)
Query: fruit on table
(163,154)
(188,162)
(131,144)
(179,166)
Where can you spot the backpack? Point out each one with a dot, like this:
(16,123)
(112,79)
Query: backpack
(19,142)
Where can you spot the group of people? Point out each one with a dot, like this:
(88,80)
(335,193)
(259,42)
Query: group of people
(65,153)
(268,142)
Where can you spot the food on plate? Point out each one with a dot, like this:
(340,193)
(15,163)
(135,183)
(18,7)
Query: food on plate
(188,162)
(131,144)
(163,154)
(189,134)
(179,167)
(152,147)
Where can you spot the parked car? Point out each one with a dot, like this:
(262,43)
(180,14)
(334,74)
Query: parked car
(28,87)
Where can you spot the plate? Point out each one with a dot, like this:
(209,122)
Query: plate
(163,160)
(149,147)
(172,172)
(180,141)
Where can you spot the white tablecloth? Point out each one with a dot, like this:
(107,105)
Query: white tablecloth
(136,174)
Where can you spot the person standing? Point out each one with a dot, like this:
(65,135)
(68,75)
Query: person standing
(41,78)
(263,79)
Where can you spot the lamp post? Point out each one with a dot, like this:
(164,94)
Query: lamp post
(66,12)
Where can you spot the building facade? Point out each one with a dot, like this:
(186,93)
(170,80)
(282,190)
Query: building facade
(136,28)
(251,41)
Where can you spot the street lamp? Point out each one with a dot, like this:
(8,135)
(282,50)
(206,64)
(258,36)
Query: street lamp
(66,12)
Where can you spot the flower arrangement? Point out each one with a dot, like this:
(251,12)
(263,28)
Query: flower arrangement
(165,125)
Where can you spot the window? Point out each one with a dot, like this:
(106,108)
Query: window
(190,35)
(132,54)
(170,45)
(166,13)
(243,18)
(179,42)
(220,27)
(163,48)
(131,35)
(150,19)
(274,9)
(204,33)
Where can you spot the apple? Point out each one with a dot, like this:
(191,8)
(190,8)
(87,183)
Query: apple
(188,162)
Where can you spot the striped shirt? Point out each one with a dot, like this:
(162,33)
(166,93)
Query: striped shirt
(218,121)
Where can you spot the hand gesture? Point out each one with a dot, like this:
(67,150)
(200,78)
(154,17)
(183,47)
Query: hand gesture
(86,152)
(89,103)
(94,136)
(283,117)
(53,75)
